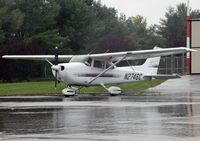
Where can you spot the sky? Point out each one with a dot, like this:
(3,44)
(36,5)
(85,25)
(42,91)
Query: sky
(152,10)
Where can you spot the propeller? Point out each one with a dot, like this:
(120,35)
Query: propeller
(56,63)
(55,66)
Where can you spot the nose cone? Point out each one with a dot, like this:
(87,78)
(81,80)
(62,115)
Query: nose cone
(55,67)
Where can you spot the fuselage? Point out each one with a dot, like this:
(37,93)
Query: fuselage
(80,74)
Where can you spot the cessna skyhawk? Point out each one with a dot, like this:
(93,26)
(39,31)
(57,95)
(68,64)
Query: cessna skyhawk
(101,69)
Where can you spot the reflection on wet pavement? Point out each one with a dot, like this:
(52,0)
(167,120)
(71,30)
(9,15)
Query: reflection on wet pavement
(169,111)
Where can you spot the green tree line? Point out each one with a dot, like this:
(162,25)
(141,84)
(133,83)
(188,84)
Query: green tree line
(78,27)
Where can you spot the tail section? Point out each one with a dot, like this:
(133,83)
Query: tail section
(151,64)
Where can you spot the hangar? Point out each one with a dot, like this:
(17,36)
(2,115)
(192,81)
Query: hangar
(195,44)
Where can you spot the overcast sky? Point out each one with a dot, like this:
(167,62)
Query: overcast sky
(153,10)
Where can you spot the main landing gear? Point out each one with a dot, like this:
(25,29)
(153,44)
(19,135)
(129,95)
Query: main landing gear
(113,90)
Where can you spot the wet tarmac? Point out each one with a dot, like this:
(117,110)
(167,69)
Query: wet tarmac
(170,111)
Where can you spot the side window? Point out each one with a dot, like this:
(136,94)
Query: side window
(99,64)
(108,65)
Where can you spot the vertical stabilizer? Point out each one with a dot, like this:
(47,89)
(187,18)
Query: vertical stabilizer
(151,64)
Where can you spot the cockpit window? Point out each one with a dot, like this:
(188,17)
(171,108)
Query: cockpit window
(88,62)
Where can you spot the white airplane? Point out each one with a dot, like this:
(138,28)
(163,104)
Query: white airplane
(101,69)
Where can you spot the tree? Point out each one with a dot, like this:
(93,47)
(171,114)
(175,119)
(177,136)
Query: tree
(10,20)
(2,34)
(39,24)
(106,25)
(89,2)
(49,40)
(38,16)
(140,35)
(19,70)
(113,43)
(173,27)
(137,30)
(75,21)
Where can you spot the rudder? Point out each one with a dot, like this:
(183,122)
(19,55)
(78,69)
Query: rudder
(151,65)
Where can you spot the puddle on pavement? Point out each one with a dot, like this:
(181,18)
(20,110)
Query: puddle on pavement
(102,114)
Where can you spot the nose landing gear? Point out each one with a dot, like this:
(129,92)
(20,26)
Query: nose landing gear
(69,91)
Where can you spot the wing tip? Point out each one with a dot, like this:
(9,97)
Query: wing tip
(190,50)
(4,56)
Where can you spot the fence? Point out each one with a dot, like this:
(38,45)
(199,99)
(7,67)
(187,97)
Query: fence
(172,64)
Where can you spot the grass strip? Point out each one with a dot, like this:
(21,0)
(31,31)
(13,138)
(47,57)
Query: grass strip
(47,87)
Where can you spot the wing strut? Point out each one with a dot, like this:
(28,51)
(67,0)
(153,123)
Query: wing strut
(100,74)
(130,65)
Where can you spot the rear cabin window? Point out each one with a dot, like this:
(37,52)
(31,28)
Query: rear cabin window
(99,64)
(108,65)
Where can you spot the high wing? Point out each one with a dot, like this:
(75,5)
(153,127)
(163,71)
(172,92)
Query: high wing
(129,55)
(141,54)
(61,58)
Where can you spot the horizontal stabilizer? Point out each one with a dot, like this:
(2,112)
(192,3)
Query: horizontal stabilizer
(163,76)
